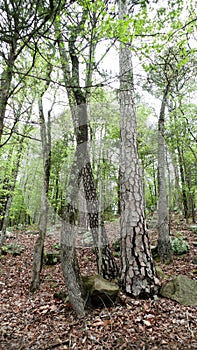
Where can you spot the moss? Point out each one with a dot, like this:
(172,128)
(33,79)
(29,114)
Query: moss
(179,245)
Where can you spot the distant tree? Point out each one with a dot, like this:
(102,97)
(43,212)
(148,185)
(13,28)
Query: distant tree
(169,72)
(21,24)
(45,133)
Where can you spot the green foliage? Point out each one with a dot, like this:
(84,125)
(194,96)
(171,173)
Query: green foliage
(152,29)
(13,248)
(51,258)
(19,213)
(56,246)
(179,245)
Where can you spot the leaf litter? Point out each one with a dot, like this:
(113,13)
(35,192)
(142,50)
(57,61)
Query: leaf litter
(43,322)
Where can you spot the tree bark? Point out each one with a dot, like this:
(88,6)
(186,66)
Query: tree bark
(105,261)
(137,276)
(78,105)
(45,131)
(70,268)
(163,244)
(6,79)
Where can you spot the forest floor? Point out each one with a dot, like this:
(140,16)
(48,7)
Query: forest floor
(42,321)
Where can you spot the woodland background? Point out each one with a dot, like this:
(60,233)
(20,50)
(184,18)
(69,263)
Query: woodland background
(60,88)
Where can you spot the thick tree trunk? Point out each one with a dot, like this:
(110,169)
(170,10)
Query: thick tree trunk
(137,276)
(164,245)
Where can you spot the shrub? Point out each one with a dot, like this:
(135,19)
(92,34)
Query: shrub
(179,245)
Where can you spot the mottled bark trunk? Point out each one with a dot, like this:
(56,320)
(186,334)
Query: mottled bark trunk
(137,276)
(78,105)
(105,261)
(70,266)
(164,245)
(45,131)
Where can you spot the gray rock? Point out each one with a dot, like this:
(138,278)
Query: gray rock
(100,291)
(182,289)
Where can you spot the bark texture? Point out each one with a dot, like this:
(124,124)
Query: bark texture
(164,246)
(78,105)
(45,131)
(137,276)
(105,261)
(70,268)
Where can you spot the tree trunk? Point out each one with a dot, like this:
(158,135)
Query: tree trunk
(70,266)
(6,78)
(78,105)
(107,268)
(137,276)
(45,132)
(164,245)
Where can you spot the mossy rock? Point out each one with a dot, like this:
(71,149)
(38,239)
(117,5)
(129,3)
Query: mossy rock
(181,289)
(179,245)
(100,292)
(51,258)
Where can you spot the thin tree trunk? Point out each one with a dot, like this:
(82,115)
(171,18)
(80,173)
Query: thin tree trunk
(107,268)
(183,182)
(137,275)
(39,245)
(78,105)
(6,78)
(70,266)
(164,245)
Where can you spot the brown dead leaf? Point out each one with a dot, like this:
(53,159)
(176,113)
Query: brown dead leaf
(147,323)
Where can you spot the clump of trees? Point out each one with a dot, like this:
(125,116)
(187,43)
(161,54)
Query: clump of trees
(77,149)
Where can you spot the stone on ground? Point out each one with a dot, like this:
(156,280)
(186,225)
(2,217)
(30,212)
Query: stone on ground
(100,291)
(181,289)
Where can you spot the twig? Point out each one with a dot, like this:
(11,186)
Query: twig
(188,326)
